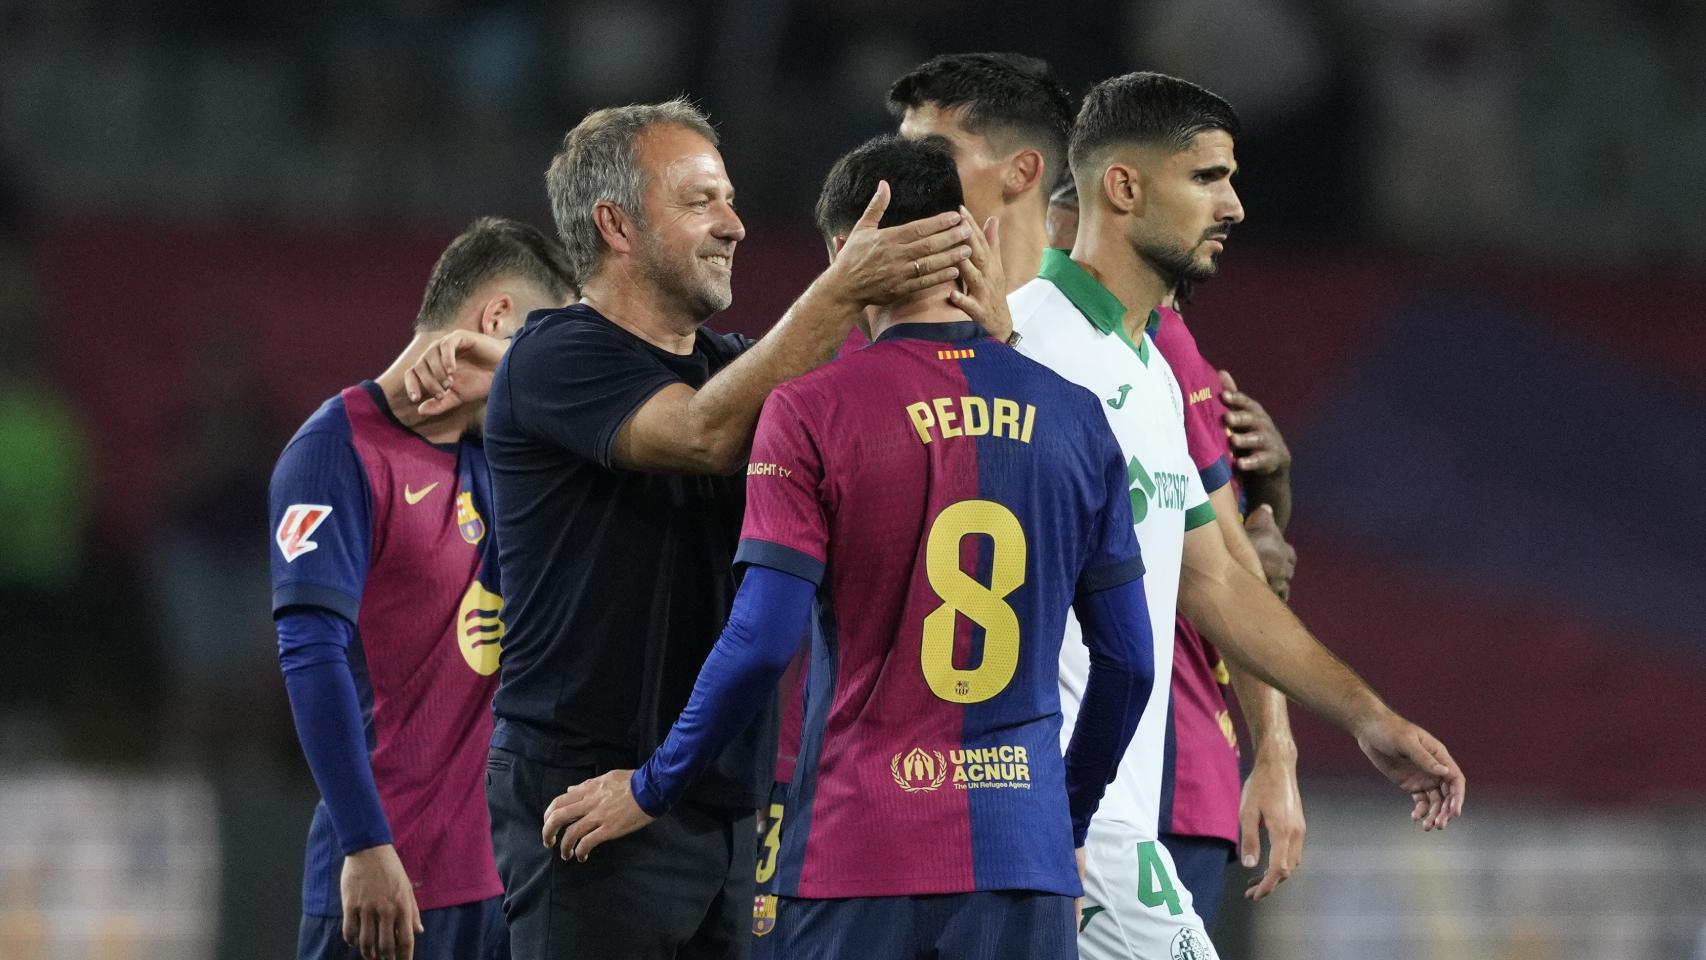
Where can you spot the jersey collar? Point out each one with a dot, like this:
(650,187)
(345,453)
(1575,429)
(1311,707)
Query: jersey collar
(943,332)
(1096,302)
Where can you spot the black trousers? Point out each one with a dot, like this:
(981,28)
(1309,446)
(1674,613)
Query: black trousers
(679,889)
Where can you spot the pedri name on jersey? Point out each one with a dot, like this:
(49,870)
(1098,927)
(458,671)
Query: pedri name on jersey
(946,417)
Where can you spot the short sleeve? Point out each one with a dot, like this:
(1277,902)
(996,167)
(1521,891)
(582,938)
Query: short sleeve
(1199,388)
(1198,510)
(320,508)
(1113,556)
(575,382)
(785,526)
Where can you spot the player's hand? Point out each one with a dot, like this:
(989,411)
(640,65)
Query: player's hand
(984,298)
(1279,559)
(380,915)
(1271,801)
(1419,764)
(1078,903)
(457,369)
(877,266)
(589,813)
(1257,443)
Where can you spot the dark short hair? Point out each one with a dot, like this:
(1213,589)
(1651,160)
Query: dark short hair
(922,182)
(1146,108)
(491,247)
(1000,92)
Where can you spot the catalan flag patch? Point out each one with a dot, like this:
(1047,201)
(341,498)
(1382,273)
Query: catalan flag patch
(965,354)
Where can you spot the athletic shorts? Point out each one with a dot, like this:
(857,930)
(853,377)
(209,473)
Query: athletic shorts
(1202,863)
(471,931)
(678,889)
(988,925)
(1134,904)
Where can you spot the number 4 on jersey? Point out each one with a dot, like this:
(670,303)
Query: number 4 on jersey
(1154,885)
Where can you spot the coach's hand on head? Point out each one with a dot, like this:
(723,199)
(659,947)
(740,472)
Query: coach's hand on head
(879,265)
(380,915)
(583,817)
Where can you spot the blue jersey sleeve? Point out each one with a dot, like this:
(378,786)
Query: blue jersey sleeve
(736,682)
(313,652)
(575,384)
(1112,556)
(1122,673)
(320,507)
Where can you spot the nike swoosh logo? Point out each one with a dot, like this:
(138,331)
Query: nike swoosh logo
(412,497)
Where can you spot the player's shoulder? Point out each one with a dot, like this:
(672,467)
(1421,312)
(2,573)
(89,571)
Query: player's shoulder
(1032,300)
(329,427)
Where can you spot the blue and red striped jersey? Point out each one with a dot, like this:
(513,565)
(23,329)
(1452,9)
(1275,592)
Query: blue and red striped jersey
(951,499)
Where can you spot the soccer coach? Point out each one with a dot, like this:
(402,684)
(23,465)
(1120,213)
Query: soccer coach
(615,431)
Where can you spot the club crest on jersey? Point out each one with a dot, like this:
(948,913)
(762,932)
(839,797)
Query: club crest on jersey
(919,771)
(1191,945)
(763,914)
(468,520)
(298,524)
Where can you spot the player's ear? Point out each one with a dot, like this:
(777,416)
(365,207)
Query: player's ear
(1120,185)
(614,225)
(1024,172)
(835,244)
(497,310)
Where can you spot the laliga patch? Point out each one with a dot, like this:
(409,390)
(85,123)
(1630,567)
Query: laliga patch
(299,523)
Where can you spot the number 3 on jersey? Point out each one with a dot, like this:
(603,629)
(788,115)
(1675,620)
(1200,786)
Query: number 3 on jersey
(985,606)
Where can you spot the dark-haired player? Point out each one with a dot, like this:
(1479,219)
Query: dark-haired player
(1153,159)
(1007,120)
(1005,115)
(387,603)
(944,501)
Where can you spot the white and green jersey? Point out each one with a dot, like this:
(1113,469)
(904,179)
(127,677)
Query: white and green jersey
(1073,325)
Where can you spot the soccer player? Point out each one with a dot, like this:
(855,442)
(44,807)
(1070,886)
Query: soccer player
(1007,119)
(945,501)
(1153,158)
(387,602)
(616,430)
(1202,824)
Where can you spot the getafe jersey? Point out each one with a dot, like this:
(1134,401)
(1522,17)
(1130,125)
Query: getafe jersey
(950,498)
(1074,325)
(375,524)
(1200,785)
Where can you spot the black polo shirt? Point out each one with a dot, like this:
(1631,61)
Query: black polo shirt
(616,583)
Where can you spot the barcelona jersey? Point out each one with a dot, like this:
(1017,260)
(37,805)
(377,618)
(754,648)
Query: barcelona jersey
(389,531)
(950,498)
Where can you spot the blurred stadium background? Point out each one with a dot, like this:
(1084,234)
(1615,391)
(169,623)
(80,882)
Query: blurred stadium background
(1469,288)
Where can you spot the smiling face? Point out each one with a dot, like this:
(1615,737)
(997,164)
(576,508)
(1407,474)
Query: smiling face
(687,247)
(1188,206)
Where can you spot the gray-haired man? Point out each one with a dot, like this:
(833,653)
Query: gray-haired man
(616,430)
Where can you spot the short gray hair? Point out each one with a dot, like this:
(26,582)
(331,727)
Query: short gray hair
(597,164)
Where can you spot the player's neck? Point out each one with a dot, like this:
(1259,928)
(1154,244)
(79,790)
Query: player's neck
(1024,237)
(927,306)
(446,427)
(1110,259)
(641,309)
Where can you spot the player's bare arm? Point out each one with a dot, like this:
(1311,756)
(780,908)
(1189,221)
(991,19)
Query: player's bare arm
(1271,800)
(1251,627)
(380,914)
(709,430)
(1263,459)
(457,369)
